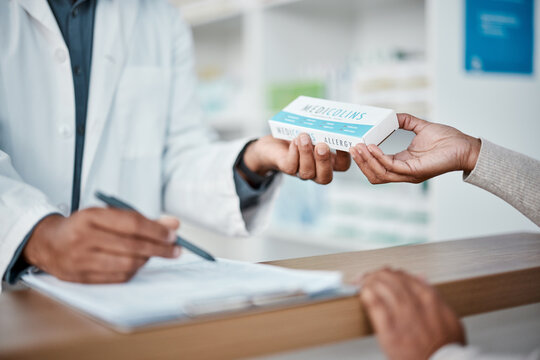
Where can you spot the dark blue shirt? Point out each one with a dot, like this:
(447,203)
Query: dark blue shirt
(75,19)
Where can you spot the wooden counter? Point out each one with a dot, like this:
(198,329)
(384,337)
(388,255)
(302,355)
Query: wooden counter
(473,275)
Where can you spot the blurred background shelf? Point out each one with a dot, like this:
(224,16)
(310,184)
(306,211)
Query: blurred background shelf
(255,56)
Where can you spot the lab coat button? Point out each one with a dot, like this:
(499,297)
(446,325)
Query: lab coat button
(60,55)
(65,131)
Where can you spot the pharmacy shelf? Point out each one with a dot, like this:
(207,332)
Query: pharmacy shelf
(286,47)
(262,53)
(202,12)
(338,243)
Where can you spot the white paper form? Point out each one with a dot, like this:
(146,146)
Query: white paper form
(166,289)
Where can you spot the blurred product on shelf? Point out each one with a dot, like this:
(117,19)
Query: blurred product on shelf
(400,82)
(352,215)
(218,94)
(281,94)
(198,12)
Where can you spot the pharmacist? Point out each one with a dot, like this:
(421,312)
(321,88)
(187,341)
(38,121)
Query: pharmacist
(101,95)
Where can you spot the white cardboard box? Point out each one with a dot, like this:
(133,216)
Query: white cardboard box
(340,125)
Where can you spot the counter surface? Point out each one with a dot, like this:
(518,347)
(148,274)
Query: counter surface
(473,275)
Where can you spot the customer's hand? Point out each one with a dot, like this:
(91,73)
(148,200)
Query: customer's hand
(298,157)
(410,320)
(99,245)
(436,149)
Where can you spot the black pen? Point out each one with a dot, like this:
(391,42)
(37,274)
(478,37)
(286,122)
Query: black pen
(116,203)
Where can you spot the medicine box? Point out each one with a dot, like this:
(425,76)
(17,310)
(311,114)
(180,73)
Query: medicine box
(340,125)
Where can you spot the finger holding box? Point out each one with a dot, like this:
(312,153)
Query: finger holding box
(436,149)
(297,157)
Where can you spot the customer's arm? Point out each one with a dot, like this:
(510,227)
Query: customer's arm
(512,176)
(437,149)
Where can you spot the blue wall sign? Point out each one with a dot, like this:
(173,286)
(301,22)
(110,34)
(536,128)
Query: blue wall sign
(499,36)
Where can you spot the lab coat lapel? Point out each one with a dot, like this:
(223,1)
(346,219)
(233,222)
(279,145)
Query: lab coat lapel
(113,25)
(40,10)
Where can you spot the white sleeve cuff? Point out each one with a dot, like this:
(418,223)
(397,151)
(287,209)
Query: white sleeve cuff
(459,352)
(18,232)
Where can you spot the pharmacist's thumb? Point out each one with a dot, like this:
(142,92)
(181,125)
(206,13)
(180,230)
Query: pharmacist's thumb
(411,123)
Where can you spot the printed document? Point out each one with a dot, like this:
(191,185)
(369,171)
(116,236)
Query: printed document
(167,289)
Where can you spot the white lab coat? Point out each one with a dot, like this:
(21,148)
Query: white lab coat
(144,138)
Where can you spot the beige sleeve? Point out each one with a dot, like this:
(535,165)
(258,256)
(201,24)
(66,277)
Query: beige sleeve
(513,177)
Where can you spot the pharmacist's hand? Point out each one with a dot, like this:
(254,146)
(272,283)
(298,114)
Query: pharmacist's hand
(410,320)
(436,149)
(298,157)
(99,245)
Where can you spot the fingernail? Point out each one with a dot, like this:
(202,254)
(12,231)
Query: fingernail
(358,150)
(304,139)
(172,236)
(177,251)
(322,150)
(367,295)
(352,152)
